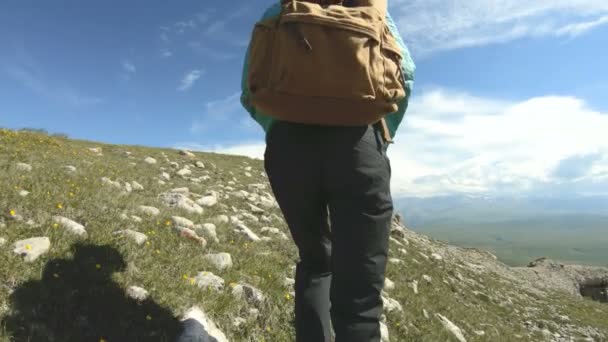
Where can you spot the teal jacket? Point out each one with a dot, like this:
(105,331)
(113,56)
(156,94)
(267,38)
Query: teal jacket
(393,120)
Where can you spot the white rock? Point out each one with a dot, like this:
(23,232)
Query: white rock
(479,332)
(150,160)
(95,149)
(209,229)
(137,237)
(221,219)
(425,314)
(195,313)
(391,305)
(70,168)
(24,167)
(187,153)
(137,293)
(200,164)
(395,261)
(266,238)
(242,194)
(180,201)
(414,286)
(23,193)
(436,257)
(136,219)
(165,176)
(451,327)
(254,313)
(191,234)
(184,191)
(255,209)
(109,182)
(403,250)
(396,241)
(205,280)
(388,284)
(182,222)
(148,210)
(208,200)
(126,153)
(161,182)
(174,165)
(384,336)
(136,186)
(2,241)
(248,174)
(221,261)
(238,321)
(184,172)
(31,249)
(427,278)
(265,219)
(248,168)
(289,282)
(243,229)
(250,217)
(71,226)
(274,231)
(248,293)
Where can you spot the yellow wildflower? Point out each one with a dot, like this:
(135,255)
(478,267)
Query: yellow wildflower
(147,243)
(28,247)
(185,276)
(287,296)
(192,281)
(168,223)
(55,225)
(59,206)
(12,212)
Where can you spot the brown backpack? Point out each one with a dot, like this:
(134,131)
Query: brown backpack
(326,64)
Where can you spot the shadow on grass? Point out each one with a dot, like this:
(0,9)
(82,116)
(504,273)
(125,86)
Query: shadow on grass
(77,300)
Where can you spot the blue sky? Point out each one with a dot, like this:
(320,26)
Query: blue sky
(509,98)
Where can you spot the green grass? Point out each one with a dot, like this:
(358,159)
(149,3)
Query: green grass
(65,286)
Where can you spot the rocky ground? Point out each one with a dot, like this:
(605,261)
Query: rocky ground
(112,243)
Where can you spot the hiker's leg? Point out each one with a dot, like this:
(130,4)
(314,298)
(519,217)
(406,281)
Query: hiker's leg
(357,176)
(292,162)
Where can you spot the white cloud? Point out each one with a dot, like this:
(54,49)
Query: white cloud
(128,66)
(433,25)
(189,79)
(496,147)
(165,53)
(254,149)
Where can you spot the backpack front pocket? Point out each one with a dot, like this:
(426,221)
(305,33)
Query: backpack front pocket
(260,55)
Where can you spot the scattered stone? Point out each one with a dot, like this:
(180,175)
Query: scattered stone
(436,257)
(2,241)
(23,193)
(414,286)
(254,313)
(174,165)
(165,176)
(222,261)
(137,237)
(31,249)
(71,226)
(184,172)
(241,194)
(248,293)
(191,234)
(161,182)
(70,168)
(391,305)
(128,187)
(388,284)
(200,164)
(205,280)
(148,210)
(238,321)
(187,153)
(451,327)
(184,191)
(425,314)
(265,219)
(126,153)
(195,313)
(248,174)
(427,278)
(255,209)
(395,261)
(150,160)
(396,241)
(274,231)
(181,222)
(137,293)
(136,219)
(250,217)
(289,282)
(96,150)
(181,201)
(243,229)
(208,200)
(222,219)
(384,336)
(210,231)
(265,238)
(479,332)
(109,182)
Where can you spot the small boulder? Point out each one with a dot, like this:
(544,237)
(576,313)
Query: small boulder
(31,249)
(187,153)
(184,172)
(136,186)
(209,230)
(71,226)
(23,193)
(452,328)
(200,164)
(205,280)
(23,167)
(2,241)
(221,219)
(388,284)
(70,168)
(148,210)
(107,181)
(183,222)
(137,237)
(137,293)
(150,160)
(165,176)
(208,200)
(221,261)
(196,314)
(243,229)
(250,294)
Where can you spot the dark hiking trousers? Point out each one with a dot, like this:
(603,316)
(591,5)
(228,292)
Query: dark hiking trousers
(332,185)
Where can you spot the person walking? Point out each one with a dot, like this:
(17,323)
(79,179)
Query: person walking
(330,173)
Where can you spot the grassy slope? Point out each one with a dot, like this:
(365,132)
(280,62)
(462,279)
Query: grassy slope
(165,266)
